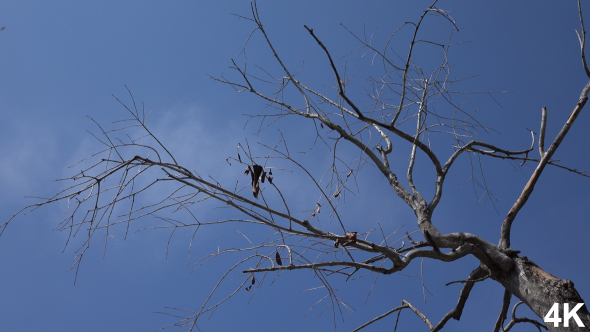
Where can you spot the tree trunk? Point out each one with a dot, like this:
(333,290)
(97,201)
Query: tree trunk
(540,290)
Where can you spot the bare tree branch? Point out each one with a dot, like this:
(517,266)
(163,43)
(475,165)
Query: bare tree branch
(111,192)
(503,312)
(530,186)
(582,40)
(515,320)
(380,317)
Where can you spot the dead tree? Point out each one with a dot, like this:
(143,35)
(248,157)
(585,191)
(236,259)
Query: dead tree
(405,106)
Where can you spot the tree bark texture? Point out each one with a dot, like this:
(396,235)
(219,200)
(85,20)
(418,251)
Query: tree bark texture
(540,290)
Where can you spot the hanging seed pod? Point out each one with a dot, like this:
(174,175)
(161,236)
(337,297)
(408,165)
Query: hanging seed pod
(253,281)
(351,239)
(278,259)
(256,172)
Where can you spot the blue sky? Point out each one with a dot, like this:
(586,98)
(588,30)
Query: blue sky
(61,61)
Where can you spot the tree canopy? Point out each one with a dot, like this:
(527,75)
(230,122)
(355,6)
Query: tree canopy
(336,115)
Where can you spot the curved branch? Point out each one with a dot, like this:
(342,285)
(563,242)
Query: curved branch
(462,251)
(456,312)
(416,139)
(407,66)
(470,147)
(417,312)
(338,79)
(582,40)
(530,186)
(142,122)
(515,320)
(503,311)
(259,23)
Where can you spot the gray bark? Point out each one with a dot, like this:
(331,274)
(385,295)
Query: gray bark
(539,290)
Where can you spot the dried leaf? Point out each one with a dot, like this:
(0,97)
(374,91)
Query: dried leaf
(351,239)
(263,176)
(253,281)
(322,125)
(318,208)
(255,189)
(349,173)
(336,243)
(256,172)
(239,158)
(227,161)
(313,214)
(247,171)
(270,172)
(270,180)
(337,194)
(278,259)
